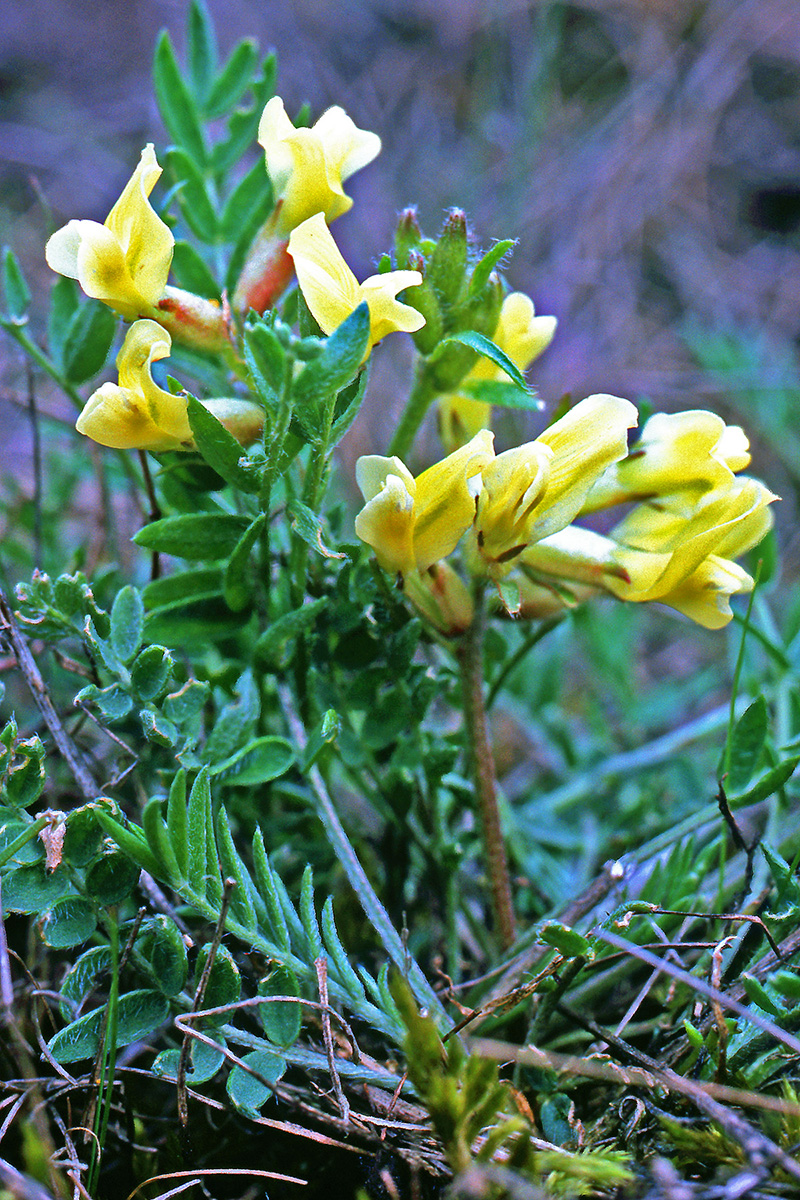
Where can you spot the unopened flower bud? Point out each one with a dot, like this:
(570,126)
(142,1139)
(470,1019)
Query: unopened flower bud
(407,240)
(448,262)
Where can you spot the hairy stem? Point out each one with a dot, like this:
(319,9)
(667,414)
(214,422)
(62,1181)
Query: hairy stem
(470,655)
(422,396)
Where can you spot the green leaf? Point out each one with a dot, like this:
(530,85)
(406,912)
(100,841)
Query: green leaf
(29,851)
(247,1093)
(251,197)
(565,940)
(15,289)
(309,527)
(166,952)
(150,673)
(131,840)
(187,703)
(485,347)
(177,107)
(193,198)
(224,984)
(113,701)
(243,124)
(326,732)
(127,621)
(68,922)
(339,960)
(339,362)
(191,272)
(219,447)
(281,1020)
(502,395)
(204,1062)
(484,267)
(767,785)
(194,536)
(111,878)
(233,80)
(259,761)
(88,341)
(81,979)
(238,588)
(274,644)
(194,623)
(33,889)
(308,916)
(786,883)
(746,744)
(266,359)
(63,306)
(202,50)
(197,584)
(24,782)
(83,839)
(203,870)
(158,729)
(138,1014)
(267,884)
(159,842)
(345,413)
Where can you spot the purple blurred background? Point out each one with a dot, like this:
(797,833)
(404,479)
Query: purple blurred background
(645,152)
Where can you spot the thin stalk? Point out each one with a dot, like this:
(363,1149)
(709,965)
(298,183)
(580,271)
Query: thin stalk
(41,360)
(274,438)
(470,656)
(105,1080)
(423,393)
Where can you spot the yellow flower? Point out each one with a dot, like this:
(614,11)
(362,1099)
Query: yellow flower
(681,456)
(412,523)
(124,262)
(654,554)
(137,415)
(530,492)
(523,337)
(307,167)
(332,291)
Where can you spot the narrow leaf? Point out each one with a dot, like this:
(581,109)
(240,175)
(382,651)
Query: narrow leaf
(202,49)
(309,527)
(341,359)
(265,882)
(194,536)
(177,107)
(485,347)
(15,289)
(219,447)
(233,80)
(238,587)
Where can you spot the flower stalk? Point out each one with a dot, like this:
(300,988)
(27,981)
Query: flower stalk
(470,657)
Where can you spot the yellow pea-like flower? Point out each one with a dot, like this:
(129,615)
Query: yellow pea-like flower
(307,167)
(530,492)
(413,523)
(125,261)
(136,414)
(522,336)
(332,291)
(657,555)
(679,457)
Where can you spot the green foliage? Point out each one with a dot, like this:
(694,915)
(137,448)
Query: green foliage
(237,778)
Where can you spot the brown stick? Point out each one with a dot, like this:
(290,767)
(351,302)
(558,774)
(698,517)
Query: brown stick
(470,656)
(16,639)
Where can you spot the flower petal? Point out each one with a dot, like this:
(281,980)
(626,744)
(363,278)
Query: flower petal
(386,523)
(445,501)
(329,287)
(146,241)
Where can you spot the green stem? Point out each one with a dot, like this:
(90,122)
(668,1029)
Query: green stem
(41,360)
(105,1081)
(313,491)
(274,439)
(423,393)
(470,655)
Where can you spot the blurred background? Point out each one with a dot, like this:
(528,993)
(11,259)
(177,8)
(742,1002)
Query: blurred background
(646,153)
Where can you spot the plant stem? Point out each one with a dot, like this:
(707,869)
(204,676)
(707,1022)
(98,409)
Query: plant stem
(470,655)
(423,393)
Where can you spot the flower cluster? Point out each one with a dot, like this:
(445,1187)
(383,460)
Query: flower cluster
(691,516)
(125,262)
